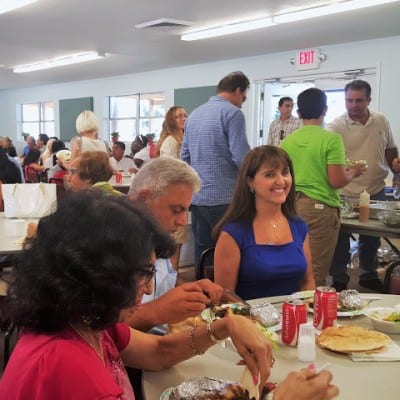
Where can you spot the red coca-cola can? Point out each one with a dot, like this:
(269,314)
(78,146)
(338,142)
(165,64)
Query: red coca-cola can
(325,307)
(294,313)
(118,177)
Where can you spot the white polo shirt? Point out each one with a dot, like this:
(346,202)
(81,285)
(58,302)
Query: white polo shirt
(366,142)
(124,164)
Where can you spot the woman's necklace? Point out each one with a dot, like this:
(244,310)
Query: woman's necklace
(275,227)
(98,350)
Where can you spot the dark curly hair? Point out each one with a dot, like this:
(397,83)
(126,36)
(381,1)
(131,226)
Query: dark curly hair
(85,263)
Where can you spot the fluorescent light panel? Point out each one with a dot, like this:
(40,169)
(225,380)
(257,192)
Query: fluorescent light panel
(58,62)
(229,29)
(9,5)
(258,23)
(328,10)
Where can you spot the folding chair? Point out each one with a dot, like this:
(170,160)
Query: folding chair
(391,282)
(31,175)
(206,265)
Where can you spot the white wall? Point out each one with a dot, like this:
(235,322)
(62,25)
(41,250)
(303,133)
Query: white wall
(381,53)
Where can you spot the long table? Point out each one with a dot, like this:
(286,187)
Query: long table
(372,228)
(356,380)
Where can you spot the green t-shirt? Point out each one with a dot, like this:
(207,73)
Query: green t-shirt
(311,149)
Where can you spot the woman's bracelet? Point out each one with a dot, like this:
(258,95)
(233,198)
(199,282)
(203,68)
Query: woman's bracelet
(191,342)
(210,333)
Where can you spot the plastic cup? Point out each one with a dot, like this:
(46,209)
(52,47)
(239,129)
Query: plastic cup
(306,347)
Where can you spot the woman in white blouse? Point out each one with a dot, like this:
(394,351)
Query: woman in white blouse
(171,136)
(169,144)
(88,126)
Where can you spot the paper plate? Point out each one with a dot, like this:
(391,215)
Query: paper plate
(303,295)
(166,393)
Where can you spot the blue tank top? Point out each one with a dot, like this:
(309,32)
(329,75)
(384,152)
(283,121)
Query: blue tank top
(269,270)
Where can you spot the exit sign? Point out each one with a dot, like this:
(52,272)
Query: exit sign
(308,59)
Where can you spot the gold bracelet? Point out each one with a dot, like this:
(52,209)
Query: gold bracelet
(211,335)
(191,342)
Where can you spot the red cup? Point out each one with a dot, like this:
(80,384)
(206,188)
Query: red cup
(118,177)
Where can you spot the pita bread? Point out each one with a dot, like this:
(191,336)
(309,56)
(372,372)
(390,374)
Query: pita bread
(247,382)
(351,339)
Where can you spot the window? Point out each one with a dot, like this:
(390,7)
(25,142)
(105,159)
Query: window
(136,114)
(37,118)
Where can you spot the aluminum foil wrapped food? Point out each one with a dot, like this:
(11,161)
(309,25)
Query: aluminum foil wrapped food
(210,389)
(351,299)
(266,314)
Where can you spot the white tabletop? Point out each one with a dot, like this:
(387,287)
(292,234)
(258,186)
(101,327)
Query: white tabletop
(12,232)
(126,180)
(356,380)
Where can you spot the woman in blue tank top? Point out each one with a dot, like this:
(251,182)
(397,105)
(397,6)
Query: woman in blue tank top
(263,247)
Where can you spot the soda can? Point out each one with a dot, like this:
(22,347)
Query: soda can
(294,313)
(118,177)
(325,307)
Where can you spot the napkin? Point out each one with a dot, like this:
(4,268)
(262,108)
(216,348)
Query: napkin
(390,353)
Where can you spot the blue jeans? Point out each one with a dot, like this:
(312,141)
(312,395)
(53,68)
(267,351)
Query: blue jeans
(367,252)
(204,218)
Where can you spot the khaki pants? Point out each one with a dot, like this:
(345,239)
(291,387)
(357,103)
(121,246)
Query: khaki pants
(323,223)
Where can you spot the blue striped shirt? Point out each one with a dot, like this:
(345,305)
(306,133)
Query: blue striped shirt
(214,144)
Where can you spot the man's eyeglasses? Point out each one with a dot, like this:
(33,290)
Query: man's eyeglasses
(282,134)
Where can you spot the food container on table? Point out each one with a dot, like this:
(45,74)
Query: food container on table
(377,317)
(390,218)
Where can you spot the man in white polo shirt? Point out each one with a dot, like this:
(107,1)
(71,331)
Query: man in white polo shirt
(120,163)
(366,136)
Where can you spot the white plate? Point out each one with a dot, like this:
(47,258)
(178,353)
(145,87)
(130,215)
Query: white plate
(305,294)
(350,313)
(275,328)
(166,393)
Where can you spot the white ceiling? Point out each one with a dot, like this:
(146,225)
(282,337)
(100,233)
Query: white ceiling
(51,28)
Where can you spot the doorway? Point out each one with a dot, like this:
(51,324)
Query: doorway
(269,91)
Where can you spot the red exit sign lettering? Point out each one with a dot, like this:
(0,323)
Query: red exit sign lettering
(308,59)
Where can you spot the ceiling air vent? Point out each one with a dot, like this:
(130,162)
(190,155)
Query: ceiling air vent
(164,24)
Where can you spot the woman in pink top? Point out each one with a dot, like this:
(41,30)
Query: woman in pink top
(67,296)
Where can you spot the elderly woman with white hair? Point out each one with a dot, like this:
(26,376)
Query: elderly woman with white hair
(87,125)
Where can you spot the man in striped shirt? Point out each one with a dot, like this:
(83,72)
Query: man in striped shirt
(214,144)
(285,124)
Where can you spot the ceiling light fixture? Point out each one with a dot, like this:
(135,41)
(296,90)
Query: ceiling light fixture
(329,9)
(9,5)
(59,61)
(234,27)
(228,29)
